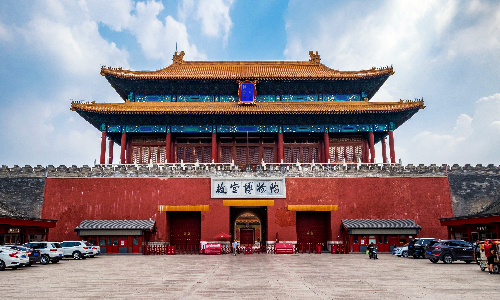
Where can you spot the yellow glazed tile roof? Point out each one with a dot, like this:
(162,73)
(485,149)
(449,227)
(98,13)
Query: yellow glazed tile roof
(318,107)
(242,70)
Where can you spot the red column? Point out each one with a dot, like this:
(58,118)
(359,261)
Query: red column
(129,151)
(371,140)
(384,152)
(214,147)
(122,148)
(391,147)
(167,148)
(102,161)
(280,147)
(110,161)
(364,151)
(327,146)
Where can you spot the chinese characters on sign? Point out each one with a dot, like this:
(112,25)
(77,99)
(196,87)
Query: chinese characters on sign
(246,93)
(248,188)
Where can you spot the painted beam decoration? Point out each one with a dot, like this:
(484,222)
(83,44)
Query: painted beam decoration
(247,92)
(228,188)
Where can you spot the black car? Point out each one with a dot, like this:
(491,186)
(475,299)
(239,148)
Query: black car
(449,251)
(416,247)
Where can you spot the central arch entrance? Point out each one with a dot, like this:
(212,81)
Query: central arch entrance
(248,225)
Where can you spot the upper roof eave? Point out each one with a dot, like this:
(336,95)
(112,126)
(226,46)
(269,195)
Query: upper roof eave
(243,70)
(260,108)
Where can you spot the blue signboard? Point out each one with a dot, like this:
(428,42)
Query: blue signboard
(247,93)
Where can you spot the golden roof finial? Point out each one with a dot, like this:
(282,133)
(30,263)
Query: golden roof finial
(314,58)
(178,58)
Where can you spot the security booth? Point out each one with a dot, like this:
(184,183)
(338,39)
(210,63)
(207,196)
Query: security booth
(16,228)
(117,236)
(383,233)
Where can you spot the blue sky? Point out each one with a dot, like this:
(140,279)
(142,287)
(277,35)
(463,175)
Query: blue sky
(447,52)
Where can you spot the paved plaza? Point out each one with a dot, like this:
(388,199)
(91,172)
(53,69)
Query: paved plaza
(256,276)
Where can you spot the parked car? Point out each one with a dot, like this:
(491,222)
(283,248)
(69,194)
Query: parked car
(76,249)
(402,251)
(32,256)
(416,247)
(49,251)
(449,251)
(8,259)
(96,250)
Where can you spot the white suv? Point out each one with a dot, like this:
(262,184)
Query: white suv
(76,249)
(49,251)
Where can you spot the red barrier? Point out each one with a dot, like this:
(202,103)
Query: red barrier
(212,249)
(284,248)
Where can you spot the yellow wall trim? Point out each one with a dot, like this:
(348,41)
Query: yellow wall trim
(313,207)
(183,208)
(248,202)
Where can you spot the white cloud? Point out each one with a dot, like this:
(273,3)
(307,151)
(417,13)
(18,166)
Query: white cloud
(413,36)
(113,13)
(213,15)
(5,34)
(473,140)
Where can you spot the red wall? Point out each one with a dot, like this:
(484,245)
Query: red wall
(71,200)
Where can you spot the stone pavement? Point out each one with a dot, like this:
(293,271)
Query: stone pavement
(263,276)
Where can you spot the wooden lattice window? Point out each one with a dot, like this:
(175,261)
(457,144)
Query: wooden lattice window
(191,154)
(225,155)
(148,154)
(193,149)
(268,155)
(259,148)
(345,149)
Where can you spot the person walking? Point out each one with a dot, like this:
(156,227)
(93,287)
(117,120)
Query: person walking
(490,253)
(235,245)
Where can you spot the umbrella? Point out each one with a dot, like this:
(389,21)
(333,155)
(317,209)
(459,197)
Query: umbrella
(222,237)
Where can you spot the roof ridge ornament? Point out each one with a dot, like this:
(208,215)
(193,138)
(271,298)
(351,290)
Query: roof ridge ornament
(178,58)
(315,59)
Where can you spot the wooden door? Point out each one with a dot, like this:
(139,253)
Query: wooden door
(247,236)
(312,228)
(185,229)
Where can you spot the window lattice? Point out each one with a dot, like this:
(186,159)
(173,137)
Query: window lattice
(287,153)
(180,154)
(340,154)
(163,153)
(253,155)
(145,155)
(136,155)
(207,154)
(315,154)
(296,155)
(305,155)
(189,155)
(154,155)
(331,150)
(358,151)
(241,155)
(225,155)
(268,155)
(198,153)
(349,153)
